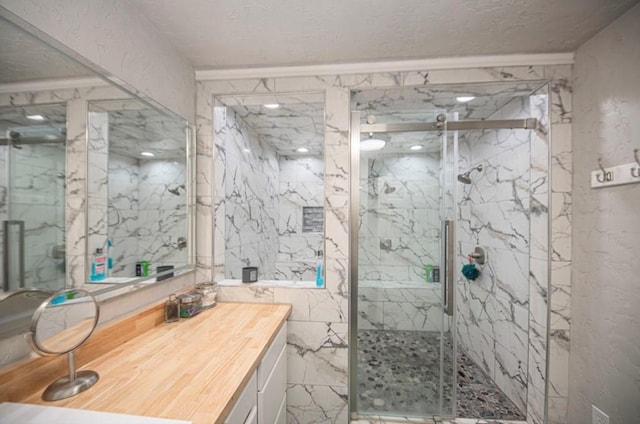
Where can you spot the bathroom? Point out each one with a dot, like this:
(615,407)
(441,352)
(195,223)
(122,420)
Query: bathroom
(318,329)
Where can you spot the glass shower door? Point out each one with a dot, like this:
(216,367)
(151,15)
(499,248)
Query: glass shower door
(404,359)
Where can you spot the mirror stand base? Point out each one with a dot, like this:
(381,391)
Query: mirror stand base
(64,387)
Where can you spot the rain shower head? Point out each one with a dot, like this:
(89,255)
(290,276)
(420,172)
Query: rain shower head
(465,178)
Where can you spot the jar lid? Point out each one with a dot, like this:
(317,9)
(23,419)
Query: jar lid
(190,297)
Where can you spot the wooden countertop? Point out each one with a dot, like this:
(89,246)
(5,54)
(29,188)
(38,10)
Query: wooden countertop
(194,369)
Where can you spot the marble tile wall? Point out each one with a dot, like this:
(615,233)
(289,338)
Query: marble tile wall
(301,183)
(162,214)
(98,181)
(270,236)
(248,198)
(145,218)
(320,316)
(399,236)
(494,211)
(33,186)
(561,199)
(123,217)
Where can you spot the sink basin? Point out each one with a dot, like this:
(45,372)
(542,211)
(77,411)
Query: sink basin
(23,413)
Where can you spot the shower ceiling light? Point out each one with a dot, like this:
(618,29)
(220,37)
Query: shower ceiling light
(464,99)
(372,144)
(36,117)
(416,147)
(272,105)
(147,154)
(302,150)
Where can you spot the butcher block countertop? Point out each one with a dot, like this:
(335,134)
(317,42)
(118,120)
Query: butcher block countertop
(193,370)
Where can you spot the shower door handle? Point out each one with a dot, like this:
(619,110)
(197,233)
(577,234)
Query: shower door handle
(447,259)
(7,255)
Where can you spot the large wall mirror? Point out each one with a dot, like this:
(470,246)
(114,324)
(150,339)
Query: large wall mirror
(269,189)
(77,175)
(137,192)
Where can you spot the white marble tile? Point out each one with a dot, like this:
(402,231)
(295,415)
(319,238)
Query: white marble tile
(413,316)
(560,296)
(561,158)
(561,226)
(317,353)
(245,294)
(511,369)
(558,407)
(314,404)
(535,406)
(559,341)
(539,227)
(313,305)
(561,90)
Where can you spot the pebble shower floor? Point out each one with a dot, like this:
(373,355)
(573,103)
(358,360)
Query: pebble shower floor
(398,371)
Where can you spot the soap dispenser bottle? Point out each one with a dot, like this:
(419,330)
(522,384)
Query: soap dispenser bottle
(98,265)
(319,269)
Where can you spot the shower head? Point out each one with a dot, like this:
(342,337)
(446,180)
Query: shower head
(465,178)
(176,190)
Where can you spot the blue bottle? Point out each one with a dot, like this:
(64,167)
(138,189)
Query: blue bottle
(319,277)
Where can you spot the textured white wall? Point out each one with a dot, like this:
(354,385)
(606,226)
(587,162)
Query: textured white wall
(111,34)
(605,344)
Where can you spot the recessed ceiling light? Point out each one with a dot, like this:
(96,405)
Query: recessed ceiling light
(36,117)
(416,147)
(372,144)
(147,154)
(302,150)
(465,99)
(272,105)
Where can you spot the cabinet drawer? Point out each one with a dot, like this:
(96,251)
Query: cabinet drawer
(245,404)
(270,358)
(270,397)
(282,413)
(253,416)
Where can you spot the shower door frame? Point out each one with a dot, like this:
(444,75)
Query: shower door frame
(355,129)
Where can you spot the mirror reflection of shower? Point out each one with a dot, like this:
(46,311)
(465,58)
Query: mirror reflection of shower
(176,190)
(465,178)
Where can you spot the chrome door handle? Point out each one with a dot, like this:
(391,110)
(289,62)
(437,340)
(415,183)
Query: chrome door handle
(447,259)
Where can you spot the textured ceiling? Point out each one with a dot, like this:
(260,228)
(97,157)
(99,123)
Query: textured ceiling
(258,33)
(26,58)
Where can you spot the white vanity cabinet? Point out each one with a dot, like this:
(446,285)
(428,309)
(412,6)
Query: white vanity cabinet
(264,399)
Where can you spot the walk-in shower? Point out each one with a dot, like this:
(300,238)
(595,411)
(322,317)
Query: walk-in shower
(425,341)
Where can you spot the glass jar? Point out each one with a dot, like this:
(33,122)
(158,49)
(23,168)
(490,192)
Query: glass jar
(190,304)
(171,309)
(209,293)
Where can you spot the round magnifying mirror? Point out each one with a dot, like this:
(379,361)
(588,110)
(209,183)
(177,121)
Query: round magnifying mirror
(17,308)
(59,326)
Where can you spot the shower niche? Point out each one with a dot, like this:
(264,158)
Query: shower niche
(138,171)
(269,188)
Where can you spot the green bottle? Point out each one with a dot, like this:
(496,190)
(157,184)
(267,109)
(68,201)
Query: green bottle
(427,273)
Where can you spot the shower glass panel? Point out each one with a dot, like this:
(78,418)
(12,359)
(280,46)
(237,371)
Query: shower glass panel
(405,348)
(32,189)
